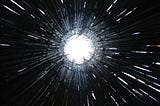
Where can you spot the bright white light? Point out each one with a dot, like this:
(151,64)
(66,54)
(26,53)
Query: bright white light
(78,48)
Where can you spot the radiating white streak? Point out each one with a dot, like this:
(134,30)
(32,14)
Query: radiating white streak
(154,88)
(93,95)
(140,72)
(134,78)
(118,19)
(94,76)
(148,94)
(157,63)
(22,69)
(129,75)
(113,89)
(119,95)
(130,11)
(105,66)
(115,1)
(156,84)
(142,68)
(115,101)
(137,92)
(140,81)
(112,48)
(136,33)
(108,57)
(151,76)
(109,7)
(122,12)
(94,17)
(146,66)
(32,16)
(128,90)
(17,4)
(4,45)
(42,11)
(84,6)
(11,10)
(116,53)
(139,51)
(88,101)
(148,45)
(41,28)
(122,80)
(33,36)
(123,100)
(152,45)
(105,80)
(62,1)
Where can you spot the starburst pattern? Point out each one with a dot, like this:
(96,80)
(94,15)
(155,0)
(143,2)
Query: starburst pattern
(124,69)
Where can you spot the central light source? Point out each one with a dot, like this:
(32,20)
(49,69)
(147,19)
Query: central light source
(78,49)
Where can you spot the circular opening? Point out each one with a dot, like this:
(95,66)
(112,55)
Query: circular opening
(78,49)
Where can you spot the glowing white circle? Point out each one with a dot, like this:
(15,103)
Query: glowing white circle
(78,49)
